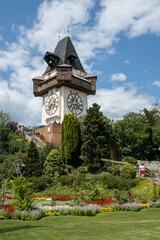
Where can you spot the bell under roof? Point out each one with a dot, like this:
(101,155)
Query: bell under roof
(66,54)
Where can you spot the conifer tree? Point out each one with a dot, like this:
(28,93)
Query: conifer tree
(71,140)
(52,162)
(96,136)
(33,165)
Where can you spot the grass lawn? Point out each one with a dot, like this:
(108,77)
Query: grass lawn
(108,226)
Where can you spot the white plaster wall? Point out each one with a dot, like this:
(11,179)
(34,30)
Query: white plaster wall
(65,92)
(46,118)
(62,93)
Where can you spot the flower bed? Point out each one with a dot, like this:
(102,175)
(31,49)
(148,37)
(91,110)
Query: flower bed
(104,201)
(7,211)
(87,210)
(61,198)
(38,197)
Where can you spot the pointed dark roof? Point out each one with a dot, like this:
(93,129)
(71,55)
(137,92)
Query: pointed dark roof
(66,53)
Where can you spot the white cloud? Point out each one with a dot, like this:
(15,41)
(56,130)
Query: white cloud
(130,17)
(115,103)
(26,109)
(118,77)
(126,61)
(111,51)
(55,16)
(156,83)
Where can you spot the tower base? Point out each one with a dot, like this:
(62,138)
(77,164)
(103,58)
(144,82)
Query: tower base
(51,133)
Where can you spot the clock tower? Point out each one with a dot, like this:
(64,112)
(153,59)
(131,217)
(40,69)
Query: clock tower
(65,84)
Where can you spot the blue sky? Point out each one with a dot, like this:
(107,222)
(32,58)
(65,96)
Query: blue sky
(118,40)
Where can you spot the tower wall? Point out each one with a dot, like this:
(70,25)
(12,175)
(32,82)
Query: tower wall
(63,93)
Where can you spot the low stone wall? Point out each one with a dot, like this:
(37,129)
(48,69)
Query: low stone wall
(152,165)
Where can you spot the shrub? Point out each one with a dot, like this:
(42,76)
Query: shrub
(115,170)
(22,190)
(121,196)
(130,160)
(110,181)
(40,183)
(128,172)
(66,180)
(83,169)
(126,185)
(52,162)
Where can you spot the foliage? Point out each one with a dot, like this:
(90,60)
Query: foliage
(94,193)
(31,215)
(13,126)
(4,131)
(33,165)
(128,172)
(138,134)
(96,136)
(22,189)
(66,180)
(121,196)
(130,160)
(48,148)
(71,140)
(144,190)
(13,165)
(52,162)
(40,183)
(87,210)
(82,169)
(110,181)
(14,143)
(115,170)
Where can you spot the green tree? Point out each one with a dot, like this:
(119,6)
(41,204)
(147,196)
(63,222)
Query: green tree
(52,162)
(71,140)
(96,136)
(14,143)
(22,189)
(138,134)
(13,165)
(4,131)
(33,165)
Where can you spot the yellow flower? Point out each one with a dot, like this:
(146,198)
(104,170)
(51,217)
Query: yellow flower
(108,209)
(145,205)
(2,217)
(52,213)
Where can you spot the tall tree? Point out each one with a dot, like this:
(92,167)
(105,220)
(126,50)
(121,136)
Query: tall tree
(71,140)
(33,165)
(96,136)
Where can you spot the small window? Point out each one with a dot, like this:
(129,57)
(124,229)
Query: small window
(64,72)
(92,83)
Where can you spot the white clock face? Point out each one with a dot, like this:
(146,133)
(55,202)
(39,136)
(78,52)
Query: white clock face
(51,104)
(74,103)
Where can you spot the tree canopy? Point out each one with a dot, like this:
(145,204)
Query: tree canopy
(139,134)
(96,136)
(71,140)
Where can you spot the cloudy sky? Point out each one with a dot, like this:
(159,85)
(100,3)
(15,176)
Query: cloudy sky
(118,40)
